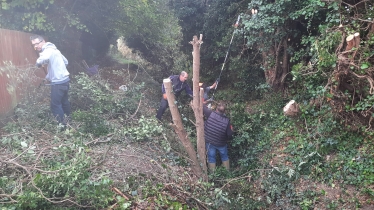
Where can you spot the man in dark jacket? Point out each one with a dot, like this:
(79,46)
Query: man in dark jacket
(179,84)
(218,131)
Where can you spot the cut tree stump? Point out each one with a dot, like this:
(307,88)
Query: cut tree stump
(353,41)
(291,109)
(350,42)
(357,40)
(357,44)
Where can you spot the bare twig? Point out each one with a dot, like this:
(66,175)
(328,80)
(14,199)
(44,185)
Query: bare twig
(120,193)
(137,109)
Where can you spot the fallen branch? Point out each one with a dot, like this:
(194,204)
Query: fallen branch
(117,191)
(97,140)
(173,187)
(369,79)
(354,4)
(136,111)
(8,196)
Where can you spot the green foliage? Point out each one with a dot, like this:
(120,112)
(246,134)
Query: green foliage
(190,19)
(325,49)
(73,21)
(150,27)
(36,15)
(273,19)
(219,173)
(156,194)
(362,105)
(27,4)
(144,129)
(283,32)
(279,187)
(63,176)
(276,151)
(153,14)
(73,180)
(308,143)
(91,123)
(96,98)
(98,95)
(244,196)
(219,18)
(241,64)
(253,130)
(36,22)
(66,165)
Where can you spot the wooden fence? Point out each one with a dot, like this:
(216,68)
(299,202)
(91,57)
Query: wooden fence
(15,50)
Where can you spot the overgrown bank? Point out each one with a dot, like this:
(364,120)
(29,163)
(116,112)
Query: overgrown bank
(114,143)
(320,159)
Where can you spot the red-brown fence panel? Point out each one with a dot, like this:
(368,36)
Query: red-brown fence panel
(15,51)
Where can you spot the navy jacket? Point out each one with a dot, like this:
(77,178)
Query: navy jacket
(178,86)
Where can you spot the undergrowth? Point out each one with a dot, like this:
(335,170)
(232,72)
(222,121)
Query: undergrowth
(290,163)
(113,154)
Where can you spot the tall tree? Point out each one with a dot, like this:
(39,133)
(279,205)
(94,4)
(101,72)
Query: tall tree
(197,103)
(275,31)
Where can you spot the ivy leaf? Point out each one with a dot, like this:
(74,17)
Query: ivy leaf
(23,144)
(291,172)
(364,66)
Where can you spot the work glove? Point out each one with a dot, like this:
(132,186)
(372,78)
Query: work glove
(217,80)
(209,99)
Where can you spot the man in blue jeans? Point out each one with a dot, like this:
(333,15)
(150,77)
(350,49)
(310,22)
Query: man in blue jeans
(218,131)
(57,75)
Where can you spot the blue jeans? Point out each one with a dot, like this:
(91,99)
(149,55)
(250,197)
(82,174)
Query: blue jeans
(60,104)
(211,152)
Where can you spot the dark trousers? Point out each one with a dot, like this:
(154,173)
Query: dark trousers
(60,104)
(163,106)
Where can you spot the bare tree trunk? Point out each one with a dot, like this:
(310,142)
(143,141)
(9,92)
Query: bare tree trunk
(281,66)
(197,104)
(201,137)
(285,64)
(179,129)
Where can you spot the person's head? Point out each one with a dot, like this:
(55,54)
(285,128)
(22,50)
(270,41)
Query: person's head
(202,85)
(183,76)
(221,107)
(37,42)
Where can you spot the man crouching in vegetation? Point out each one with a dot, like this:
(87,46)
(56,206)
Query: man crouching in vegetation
(218,131)
(207,90)
(57,75)
(179,84)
